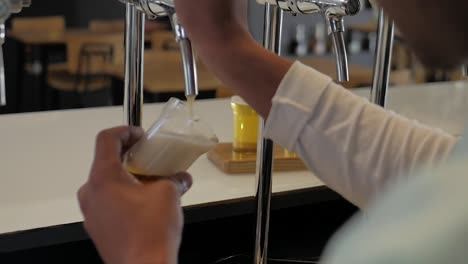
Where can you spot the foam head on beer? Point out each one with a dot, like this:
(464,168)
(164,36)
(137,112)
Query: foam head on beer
(172,144)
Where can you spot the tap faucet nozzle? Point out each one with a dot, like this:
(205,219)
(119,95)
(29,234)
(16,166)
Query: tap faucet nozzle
(158,8)
(333,12)
(336,31)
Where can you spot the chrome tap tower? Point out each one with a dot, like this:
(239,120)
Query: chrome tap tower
(134,65)
(333,12)
(7,7)
(382,60)
(134,53)
(271,41)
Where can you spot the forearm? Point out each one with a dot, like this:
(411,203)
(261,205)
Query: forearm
(355,147)
(247,69)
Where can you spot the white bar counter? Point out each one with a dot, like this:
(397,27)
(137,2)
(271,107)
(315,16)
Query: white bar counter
(45,157)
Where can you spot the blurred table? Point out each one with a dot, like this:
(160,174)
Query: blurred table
(56,38)
(38,38)
(163,73)
(51,38)
(359,76)
(365,28)
(369,28)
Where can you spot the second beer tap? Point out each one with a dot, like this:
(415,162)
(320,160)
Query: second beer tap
(159,8)
(333,12)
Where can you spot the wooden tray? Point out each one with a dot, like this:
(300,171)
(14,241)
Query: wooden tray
(232,162)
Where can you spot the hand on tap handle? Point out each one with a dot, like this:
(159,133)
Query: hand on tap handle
(220,35)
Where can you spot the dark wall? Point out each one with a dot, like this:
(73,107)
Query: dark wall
(88,10)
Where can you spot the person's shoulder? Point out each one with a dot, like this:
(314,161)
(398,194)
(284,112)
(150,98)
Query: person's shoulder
(421,219)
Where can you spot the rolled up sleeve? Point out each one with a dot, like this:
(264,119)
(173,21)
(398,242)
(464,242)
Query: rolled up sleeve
(349,143)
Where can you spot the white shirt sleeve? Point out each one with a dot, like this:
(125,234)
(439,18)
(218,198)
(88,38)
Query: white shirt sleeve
(352,145)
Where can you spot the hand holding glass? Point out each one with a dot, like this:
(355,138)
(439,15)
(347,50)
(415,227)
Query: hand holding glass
(172,144)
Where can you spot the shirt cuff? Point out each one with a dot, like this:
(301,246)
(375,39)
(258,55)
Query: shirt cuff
(294,103)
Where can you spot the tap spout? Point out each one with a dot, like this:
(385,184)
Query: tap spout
(336,31)
(342,69)
(188,58)
(190,68)
(159,8)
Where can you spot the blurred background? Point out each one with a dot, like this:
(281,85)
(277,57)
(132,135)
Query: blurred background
(69,54)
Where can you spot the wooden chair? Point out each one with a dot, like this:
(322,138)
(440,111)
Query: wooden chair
(107,25)
(87,58)
(39,24)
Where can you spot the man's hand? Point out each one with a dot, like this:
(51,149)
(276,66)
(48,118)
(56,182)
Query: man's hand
(130,221)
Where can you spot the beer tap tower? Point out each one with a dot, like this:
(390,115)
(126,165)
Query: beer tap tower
(382,60)
(333,12)
(136,11)
(7,7)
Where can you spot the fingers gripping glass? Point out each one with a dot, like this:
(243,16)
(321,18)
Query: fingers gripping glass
(172,144)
